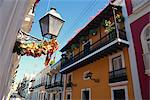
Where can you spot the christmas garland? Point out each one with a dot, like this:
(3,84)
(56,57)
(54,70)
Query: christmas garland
(36,49)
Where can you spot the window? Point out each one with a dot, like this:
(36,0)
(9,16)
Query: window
(68,96)
(58,77)
(71,54)
(145,40)
(116,61)
(85,94)
(86,46)
(69,77)
(119,93)
(53,79)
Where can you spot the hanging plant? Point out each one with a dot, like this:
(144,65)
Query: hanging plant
(93,31)
(109,26)
(73,46)
(119,18)
(109,29)
(83,38)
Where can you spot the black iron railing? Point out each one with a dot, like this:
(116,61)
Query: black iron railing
(39,85)
(108,38)
(117,75)
(69,85)
(55,84)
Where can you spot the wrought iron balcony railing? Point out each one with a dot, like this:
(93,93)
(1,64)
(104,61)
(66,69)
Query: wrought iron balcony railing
(39,85)
(118,75)
(55,84)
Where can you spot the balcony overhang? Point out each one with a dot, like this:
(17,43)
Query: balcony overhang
(114,46)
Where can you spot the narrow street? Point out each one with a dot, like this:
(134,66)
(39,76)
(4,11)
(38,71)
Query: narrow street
(74,50)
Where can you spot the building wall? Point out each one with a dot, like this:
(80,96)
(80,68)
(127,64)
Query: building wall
(100,70)
(136,33)
(138,19)
(12,15)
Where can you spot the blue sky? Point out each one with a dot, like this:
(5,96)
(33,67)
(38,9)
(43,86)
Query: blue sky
(76,14)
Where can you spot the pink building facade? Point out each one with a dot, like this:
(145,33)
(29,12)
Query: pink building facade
(139,20)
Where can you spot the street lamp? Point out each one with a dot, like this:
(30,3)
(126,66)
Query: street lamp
(51,24)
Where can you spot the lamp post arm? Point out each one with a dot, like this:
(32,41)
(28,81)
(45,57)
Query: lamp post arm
(30,35)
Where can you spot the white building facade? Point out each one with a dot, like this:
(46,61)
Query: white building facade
(14,15)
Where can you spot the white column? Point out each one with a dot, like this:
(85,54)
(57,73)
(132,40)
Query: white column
(131,50)
(11,17)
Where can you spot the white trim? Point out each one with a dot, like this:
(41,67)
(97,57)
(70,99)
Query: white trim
(132,57)
(70,93)
(136,15)
(89,89)
(143,4)
(144,45)
(106,46)
(146,52)
(118,83)
(115,55)
(117,88)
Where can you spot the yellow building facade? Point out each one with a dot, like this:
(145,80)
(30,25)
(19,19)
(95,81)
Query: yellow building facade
(95,63)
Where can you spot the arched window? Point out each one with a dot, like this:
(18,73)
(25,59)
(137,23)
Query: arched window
(145,40)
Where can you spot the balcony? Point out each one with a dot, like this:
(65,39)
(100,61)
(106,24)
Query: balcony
(39,85)
(117,75)
(106,45)
(52,85)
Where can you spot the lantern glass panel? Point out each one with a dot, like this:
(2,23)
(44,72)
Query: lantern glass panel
(55,25)
(44,25)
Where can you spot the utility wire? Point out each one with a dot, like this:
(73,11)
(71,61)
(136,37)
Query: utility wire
(82,15)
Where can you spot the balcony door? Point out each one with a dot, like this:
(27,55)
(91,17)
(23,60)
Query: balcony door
(87,47)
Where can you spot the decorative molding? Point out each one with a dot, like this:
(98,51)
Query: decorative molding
(115,55)
(118,83)
(139,13)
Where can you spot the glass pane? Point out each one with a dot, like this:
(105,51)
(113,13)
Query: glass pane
(44,24)
(53,79)
(87,47)
(119,94)
(117,63)
(55,25)
(85,95)
(58,77)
